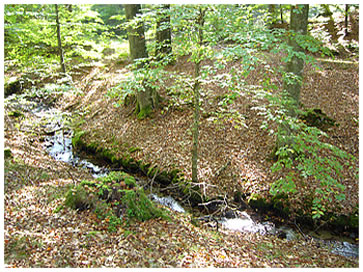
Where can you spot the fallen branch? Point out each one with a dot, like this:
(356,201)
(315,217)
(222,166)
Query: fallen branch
(221,169)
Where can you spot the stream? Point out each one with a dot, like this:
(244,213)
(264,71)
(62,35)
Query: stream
(58,144)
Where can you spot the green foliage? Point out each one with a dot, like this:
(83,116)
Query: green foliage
(31,42)
(150,76)
(113,16)
(308,156)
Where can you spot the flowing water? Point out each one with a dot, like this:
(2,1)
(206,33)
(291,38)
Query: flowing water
(59,146)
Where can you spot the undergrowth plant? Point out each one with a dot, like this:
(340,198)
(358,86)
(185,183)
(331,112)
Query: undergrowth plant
(308,158)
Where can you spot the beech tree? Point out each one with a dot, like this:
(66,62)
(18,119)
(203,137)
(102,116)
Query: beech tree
(298,26)
(163,32)
(135,32)
(196,94)
(147,98)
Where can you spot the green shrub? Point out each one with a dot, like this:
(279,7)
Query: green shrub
(305,155)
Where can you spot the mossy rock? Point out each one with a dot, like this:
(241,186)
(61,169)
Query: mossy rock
(17,85)
(139,206)
(193,193)
(144,167)
(134,149)
(343,222)
(163,178)
(116,186)
(175,175)
(129,163)
(151,171)
(259,204)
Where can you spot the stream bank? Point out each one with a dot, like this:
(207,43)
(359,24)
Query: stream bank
(70,147)
(46,135)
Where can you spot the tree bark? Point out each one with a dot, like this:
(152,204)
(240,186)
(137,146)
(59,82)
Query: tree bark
(346,19)
(163,32)
(196,87)
(147,99)
(60,48)
(272,20)
(136,34)
(298,25)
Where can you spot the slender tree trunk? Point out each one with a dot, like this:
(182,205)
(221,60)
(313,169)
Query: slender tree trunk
(60,48)
(163,32)
(148,99)
(200,23)
(281,15)
(346,19)
(298,24)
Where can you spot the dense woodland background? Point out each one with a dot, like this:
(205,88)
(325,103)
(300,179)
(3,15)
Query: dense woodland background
(223,106)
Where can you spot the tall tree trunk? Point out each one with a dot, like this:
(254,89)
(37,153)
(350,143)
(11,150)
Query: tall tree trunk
(148,99)
(136,33)
(60,48)
(298,24)
(163,32)
(196,87)
(281,15)
(272,15)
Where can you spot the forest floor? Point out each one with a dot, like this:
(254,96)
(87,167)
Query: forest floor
(37,234)
(243,154)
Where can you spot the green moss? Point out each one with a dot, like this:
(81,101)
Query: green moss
(139,206)
(354,221)
(77,138)
(117,177)
(15,114)
(108,200)
(144,112)
(193,192)
(151,171)
(144,167)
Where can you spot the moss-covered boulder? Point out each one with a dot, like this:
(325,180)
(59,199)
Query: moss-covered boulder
(113,196)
